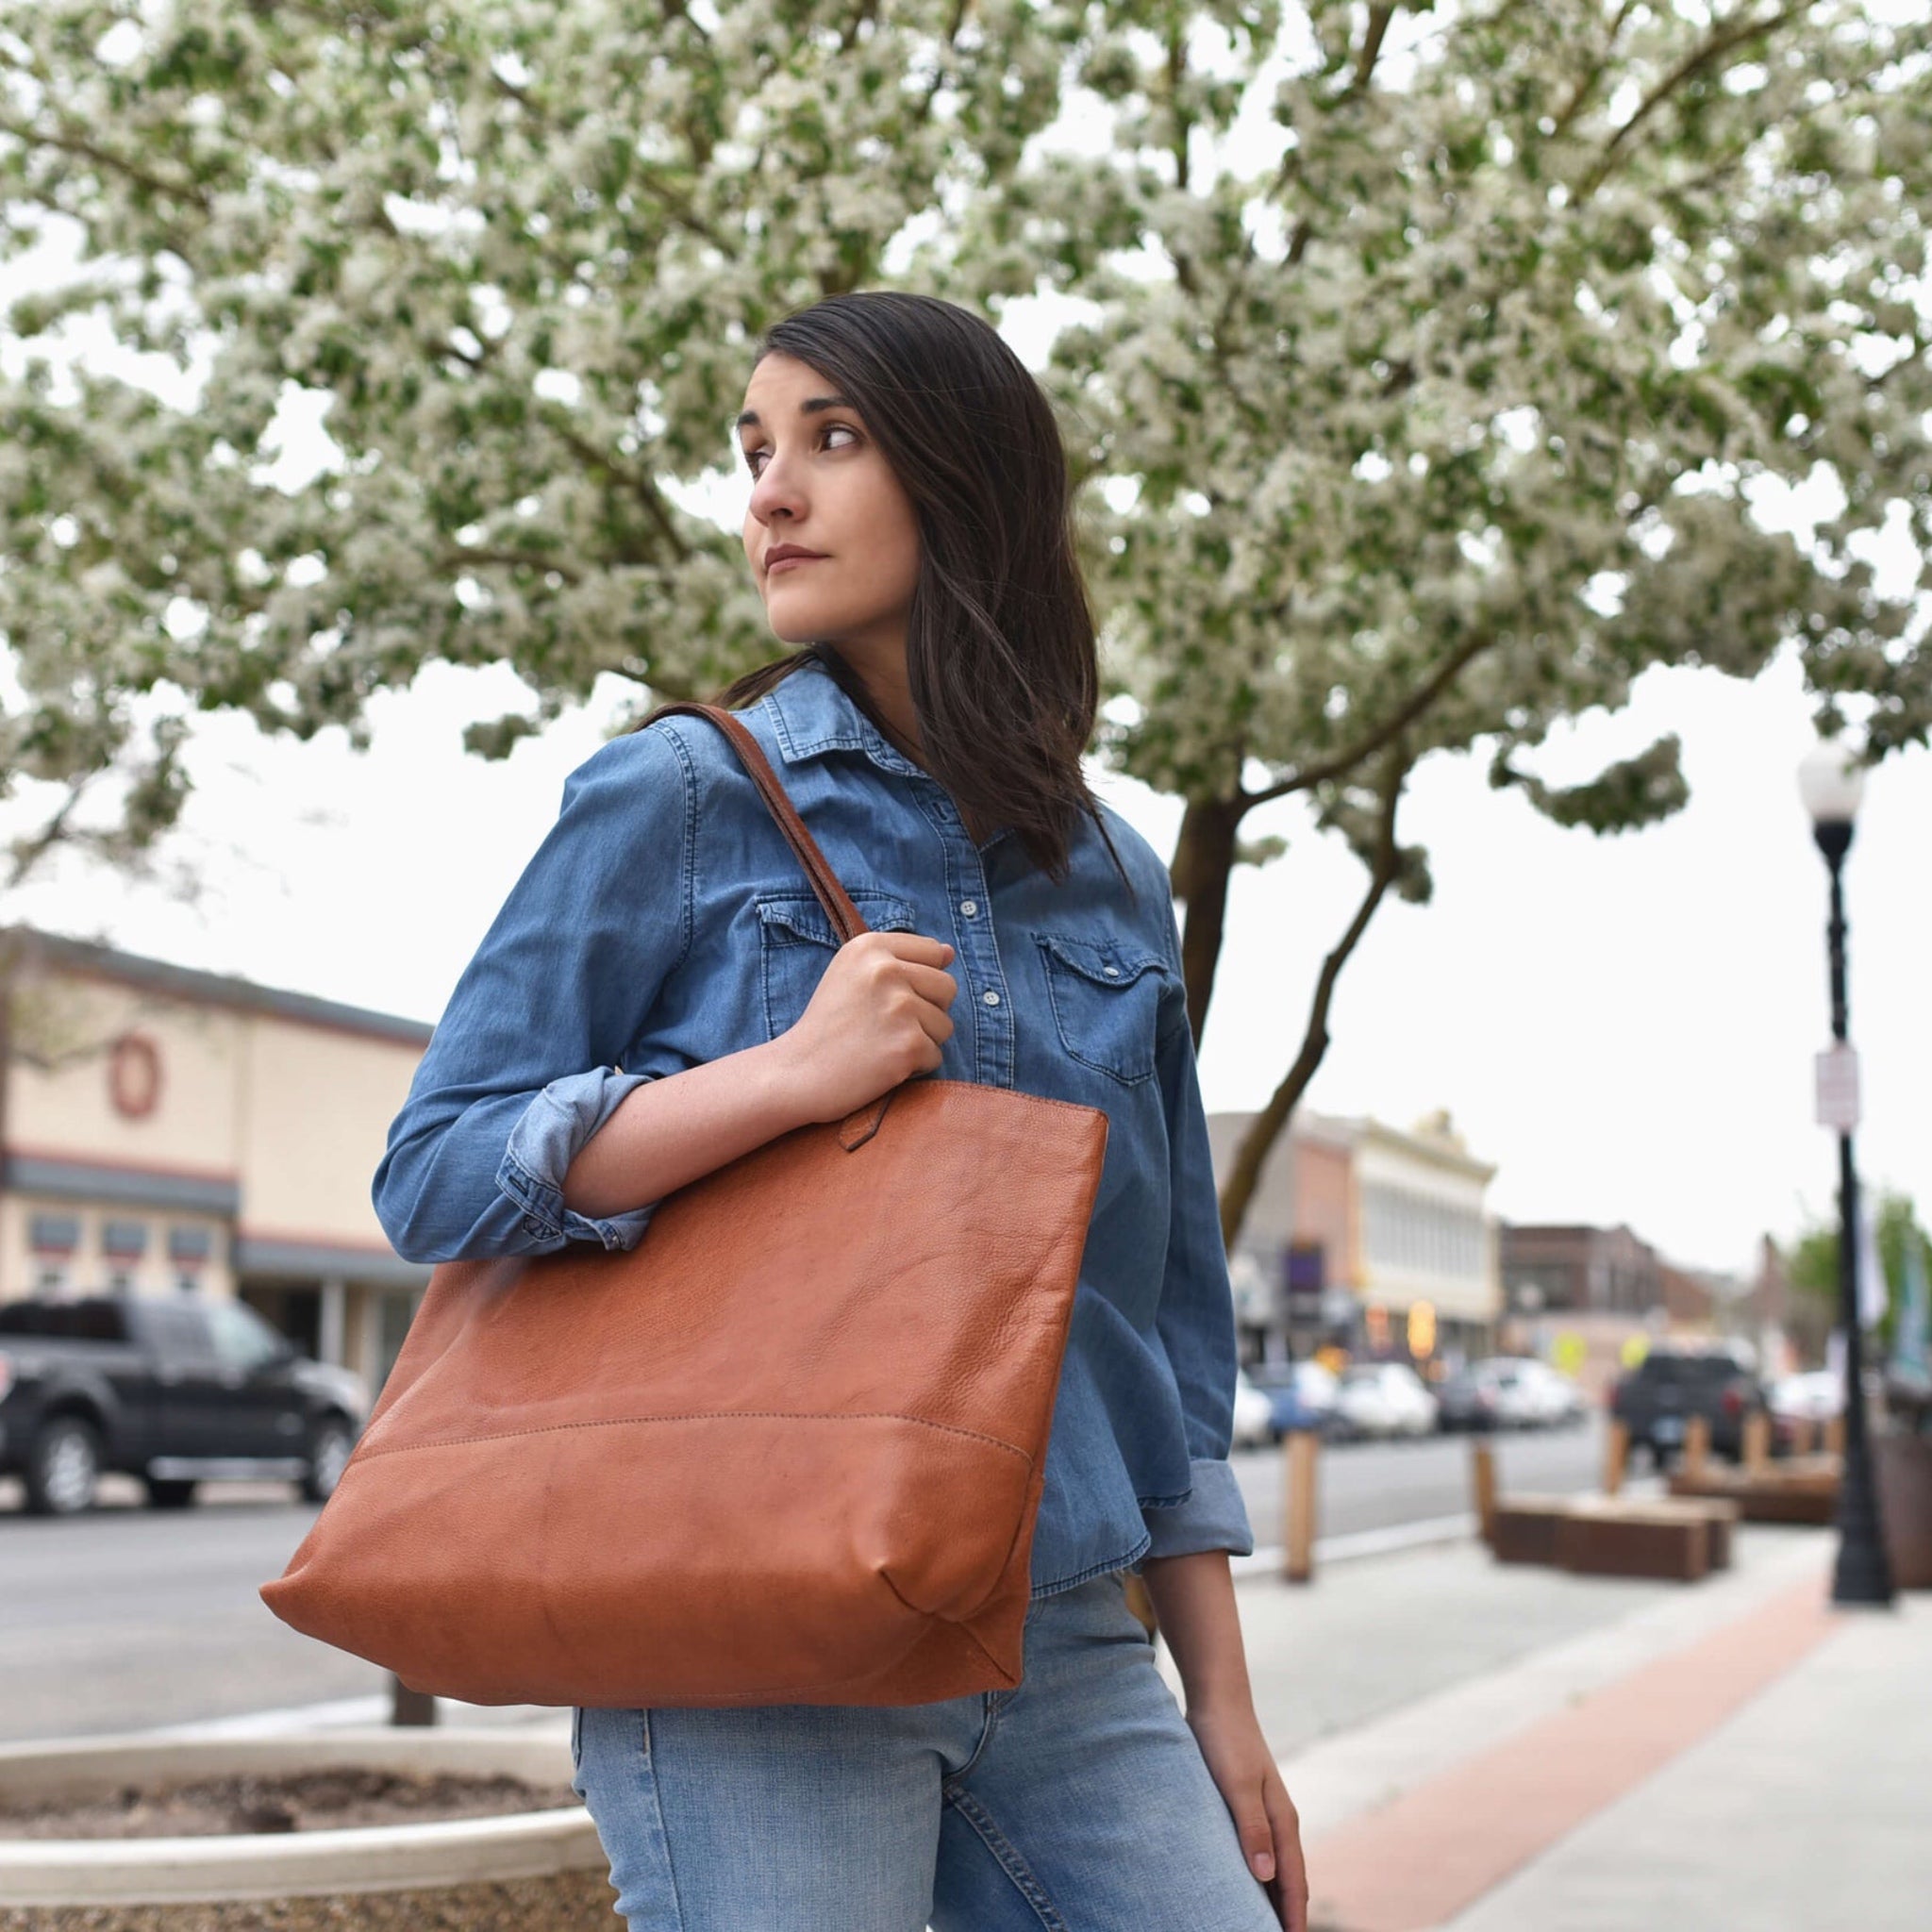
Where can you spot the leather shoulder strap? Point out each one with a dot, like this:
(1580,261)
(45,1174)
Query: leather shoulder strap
(833,896)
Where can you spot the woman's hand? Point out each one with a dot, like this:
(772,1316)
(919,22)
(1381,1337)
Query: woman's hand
(876,1018)
(1243,1770)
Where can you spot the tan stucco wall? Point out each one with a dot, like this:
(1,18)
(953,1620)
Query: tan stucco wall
(319,1106)
(66,1109)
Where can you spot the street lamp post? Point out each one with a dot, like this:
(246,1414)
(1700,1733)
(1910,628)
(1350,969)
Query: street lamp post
(1832,786)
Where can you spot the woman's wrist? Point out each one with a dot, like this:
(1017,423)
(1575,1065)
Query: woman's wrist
(1194,1606)
(676,1130)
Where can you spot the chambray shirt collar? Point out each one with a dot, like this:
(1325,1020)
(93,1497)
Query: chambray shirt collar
(812,715)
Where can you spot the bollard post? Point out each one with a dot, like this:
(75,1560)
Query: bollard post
(1756,1440)
(1299,1489)
(407,1707)
(1697,1445)
(1482,1477)
(1616,1456)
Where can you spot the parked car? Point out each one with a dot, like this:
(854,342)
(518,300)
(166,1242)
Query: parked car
(1656,1400)
(1532,1396)
(1254,1414)
(1814,1396)
(1385,1399)
(1302,1395)
(1467,1399)
(174,1390)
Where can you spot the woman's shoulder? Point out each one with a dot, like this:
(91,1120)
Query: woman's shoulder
(1142,864)
(679,749)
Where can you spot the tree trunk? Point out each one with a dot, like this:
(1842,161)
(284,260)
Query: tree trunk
(1201,865)
(1265,1128)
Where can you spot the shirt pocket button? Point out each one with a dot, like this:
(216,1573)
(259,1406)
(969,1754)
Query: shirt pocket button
(1106,996)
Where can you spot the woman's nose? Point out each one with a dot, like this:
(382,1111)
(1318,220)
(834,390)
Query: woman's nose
(775,494)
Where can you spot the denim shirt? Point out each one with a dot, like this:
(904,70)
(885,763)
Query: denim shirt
(664,921)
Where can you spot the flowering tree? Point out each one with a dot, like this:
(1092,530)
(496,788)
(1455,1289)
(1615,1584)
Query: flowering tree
(1424,372)
(1428,394)
(513,249)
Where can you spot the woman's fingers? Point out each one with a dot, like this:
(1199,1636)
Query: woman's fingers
(1292,1868)
(913,946)
(931,983)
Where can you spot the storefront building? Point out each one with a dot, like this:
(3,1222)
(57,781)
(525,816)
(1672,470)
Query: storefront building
(174,1132)
(1366,1238)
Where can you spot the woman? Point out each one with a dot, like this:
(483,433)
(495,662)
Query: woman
(662,993)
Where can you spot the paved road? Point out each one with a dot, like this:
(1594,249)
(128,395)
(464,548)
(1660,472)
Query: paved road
(126,1619)
(1367,1486)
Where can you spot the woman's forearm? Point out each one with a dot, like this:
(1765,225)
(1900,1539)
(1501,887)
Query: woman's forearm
(673,1131)
(1193,1602)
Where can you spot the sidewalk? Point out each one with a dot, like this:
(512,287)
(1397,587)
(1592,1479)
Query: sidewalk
(1480,1749)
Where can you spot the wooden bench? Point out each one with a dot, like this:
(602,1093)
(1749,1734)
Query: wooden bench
(1800,1489)
(1679,1539)
(1523,1530)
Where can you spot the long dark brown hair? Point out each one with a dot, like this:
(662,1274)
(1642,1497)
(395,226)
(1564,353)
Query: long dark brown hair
(1001,658)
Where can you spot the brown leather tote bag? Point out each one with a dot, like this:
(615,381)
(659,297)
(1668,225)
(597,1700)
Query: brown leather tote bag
(787,1449)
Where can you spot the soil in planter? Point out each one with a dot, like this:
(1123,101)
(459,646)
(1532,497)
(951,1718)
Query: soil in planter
(279,1801)
(563,1902)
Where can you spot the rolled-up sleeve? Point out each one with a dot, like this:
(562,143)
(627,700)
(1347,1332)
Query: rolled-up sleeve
(1195,1316)
(526,1063)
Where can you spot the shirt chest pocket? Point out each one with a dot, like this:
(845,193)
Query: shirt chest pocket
(797,943)
(1106,998)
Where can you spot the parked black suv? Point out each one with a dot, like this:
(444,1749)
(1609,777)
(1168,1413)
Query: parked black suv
(174,1391)
(1657,1399)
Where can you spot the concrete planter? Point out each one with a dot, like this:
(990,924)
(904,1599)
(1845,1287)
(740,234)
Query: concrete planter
(533,1871)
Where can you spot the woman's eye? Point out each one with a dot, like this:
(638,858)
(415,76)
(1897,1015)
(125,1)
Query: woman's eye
(830,430)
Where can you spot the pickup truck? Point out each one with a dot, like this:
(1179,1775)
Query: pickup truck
(1656,1400)
(174,1391)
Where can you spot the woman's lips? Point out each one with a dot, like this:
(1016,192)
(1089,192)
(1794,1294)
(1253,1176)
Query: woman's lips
(772,569)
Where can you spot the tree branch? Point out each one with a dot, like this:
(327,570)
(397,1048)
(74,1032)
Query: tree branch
(1265,1128)
(1390,727)
(1586,85)
(28,852)
(1379,17)
(101,158)
(1687,69)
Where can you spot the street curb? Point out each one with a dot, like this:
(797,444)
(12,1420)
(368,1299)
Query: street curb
(1362,1543)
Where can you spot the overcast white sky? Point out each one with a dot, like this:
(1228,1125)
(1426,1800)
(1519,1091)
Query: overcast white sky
(1625,1027)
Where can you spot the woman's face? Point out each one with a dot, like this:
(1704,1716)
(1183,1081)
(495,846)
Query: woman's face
(820,486)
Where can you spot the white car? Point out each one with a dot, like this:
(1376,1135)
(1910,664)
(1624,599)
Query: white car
(1385,1399)
(1254,1414)
(1530,1394)
(1814,1396)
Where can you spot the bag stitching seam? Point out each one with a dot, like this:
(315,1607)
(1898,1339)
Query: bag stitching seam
(699,1415)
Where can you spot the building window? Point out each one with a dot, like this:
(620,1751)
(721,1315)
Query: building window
(54,1234)
(120,1281)
(124,1240)
(190,1243)
(50,1278)
(188,1284)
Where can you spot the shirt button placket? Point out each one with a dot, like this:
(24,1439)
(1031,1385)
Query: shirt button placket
(980,975)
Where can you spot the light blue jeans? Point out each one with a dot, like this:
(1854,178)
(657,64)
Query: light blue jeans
(1077,1802)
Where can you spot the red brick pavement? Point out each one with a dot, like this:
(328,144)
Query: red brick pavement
(1417,1861)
